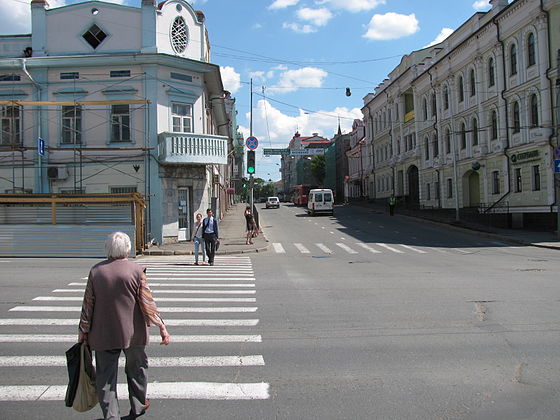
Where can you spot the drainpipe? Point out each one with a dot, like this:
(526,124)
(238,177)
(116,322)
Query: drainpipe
(40,98)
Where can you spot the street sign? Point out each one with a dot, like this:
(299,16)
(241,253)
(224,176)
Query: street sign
(307,152)
(252,143)
(269,152)
(557,166)
(41,146)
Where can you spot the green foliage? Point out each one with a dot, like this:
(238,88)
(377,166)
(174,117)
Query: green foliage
(318,169)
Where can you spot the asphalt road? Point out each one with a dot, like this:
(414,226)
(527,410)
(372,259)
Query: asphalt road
(356,316)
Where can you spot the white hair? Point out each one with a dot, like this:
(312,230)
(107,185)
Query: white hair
(117,245)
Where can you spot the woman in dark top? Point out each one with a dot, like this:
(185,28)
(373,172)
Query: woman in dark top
(250,220)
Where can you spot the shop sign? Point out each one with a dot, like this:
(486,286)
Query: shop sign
(525,156)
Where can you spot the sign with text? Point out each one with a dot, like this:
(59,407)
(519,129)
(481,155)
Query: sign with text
(270,152)
(307,152)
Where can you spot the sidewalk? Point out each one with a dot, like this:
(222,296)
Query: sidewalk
(516,236)
(233,233)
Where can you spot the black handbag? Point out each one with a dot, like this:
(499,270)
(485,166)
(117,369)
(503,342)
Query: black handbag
(73,365)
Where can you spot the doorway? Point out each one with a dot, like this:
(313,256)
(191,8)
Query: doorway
(413,186)
(183,214)
(472,190)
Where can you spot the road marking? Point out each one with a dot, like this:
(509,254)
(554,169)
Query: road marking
(170,322)
(155,339)
(443,251)
(152,284)
(191,361)
(158,390)
(161,299)
(413,249)
(369,248)
(185,292)
(324,248)
(346,248)
(150,278)
(389,248)
(234,309)
(461,251)
(278,248)
(302,249)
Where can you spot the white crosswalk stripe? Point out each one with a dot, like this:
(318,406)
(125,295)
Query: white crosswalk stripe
(413,249)
(346,248)
(278,248)
(324,248)
(179,289)
(369,248)
(301,248)
(389,248)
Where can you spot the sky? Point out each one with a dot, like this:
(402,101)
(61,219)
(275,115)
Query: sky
(302,56)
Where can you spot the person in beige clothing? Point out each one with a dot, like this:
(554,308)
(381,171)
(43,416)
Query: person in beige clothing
(117,310)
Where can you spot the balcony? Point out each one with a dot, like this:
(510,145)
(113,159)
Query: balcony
(198,149)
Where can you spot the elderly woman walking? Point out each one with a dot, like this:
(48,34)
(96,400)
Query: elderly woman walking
(117,309)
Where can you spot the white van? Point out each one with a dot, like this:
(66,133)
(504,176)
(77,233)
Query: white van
(320,201)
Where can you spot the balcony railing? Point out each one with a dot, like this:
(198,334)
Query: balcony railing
(203,149)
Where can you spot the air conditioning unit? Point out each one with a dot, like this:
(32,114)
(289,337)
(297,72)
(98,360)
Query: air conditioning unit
(57,172)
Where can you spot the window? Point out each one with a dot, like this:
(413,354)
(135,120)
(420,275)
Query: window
(435,146)
(119,73)
(531,50)
(491,73)
(513,60)
(123,190)
(449,188)
(447,140)
(494,122)
(10,77)
(536,178)
(179,35)
(534,111)
(516,118)
(180,76)
(461,88)
(474,132)
(94,36)
(427,148)
(71,125)
(463,136)
(10,121)
(69,75)
(434,105)
(120,123)
(182,118)
(496,182)
(428,192)
(424,109)
(518,180)
(436,187)
(472,82)
(445,97)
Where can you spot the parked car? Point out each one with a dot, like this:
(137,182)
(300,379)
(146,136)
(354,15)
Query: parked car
(272,202)
(320,201)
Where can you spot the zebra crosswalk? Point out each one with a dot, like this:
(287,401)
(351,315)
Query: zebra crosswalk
(353,248)
(206,309)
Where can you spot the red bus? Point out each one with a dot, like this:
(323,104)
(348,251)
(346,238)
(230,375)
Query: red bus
(300,194)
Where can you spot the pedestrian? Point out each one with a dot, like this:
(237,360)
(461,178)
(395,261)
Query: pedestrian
(210,235)
(117,310)
(392,204)
(198,240)
(251,225)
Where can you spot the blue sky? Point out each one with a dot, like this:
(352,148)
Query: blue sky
(302,55)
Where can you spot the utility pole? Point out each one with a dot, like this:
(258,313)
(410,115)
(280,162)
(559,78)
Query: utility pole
(557,150)
(251,179)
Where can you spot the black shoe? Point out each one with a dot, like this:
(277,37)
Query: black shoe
(212,263)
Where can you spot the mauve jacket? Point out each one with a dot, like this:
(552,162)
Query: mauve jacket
(117,321)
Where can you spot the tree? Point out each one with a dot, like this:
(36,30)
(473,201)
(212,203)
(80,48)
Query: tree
(318,168)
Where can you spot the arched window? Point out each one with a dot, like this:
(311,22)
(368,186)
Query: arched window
(434,105)
(491,73)
(494,123)
(445,97)
(447,141)
(179,35)
(435,146)
(427,147)
(424,109)
(472,82)
(516,118)
(461,89)
(534,111)
(531,50)
(463,136)
(474,132)
(513,60)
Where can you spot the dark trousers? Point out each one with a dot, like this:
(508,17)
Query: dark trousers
(210,244)
(107,366)
(392,209)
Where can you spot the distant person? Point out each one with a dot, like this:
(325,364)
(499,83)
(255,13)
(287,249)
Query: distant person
(198,240)
(392,204)
(251,225)
(210,235)
(116,311)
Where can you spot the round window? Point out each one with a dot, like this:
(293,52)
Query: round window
(179,35)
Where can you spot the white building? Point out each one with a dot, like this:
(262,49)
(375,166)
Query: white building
(126,99)
(468,123)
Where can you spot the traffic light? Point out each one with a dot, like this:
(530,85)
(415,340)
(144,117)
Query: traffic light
(250,162)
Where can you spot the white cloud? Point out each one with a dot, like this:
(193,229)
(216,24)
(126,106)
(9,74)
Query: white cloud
(353,6)
(391,26)
(302,29)
(282,4)
(231,79)
(481,4)
(318,17)
(292,80)
(445,32)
